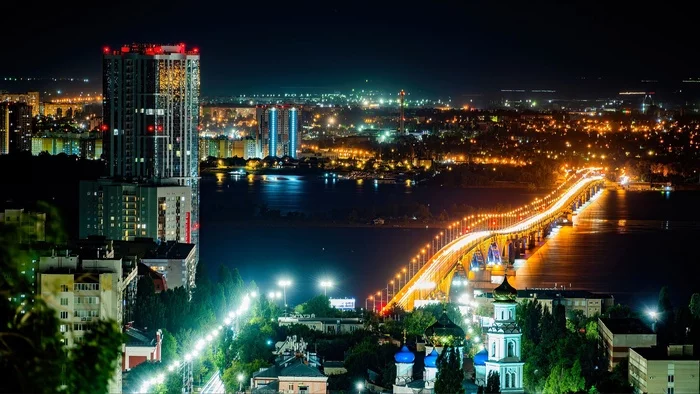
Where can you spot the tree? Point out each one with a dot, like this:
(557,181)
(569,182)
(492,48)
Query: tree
(563,380)
(664,325)
(417,321)
(450,375)
(97,348)
(169,347)
(320,306)
(493,383)
(695,305)
(149,313)
(33,357)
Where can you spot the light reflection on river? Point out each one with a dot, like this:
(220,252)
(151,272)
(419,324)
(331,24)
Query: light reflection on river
(626,243)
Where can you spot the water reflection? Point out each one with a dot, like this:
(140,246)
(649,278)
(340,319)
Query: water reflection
(596,253)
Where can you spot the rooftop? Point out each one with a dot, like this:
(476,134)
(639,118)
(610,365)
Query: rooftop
(151,49)
(628,325)
(170,250)
(559,293)
(671,352)
(295,368)
(138,338)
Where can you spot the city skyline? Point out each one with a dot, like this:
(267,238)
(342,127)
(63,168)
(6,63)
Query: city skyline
(447,49)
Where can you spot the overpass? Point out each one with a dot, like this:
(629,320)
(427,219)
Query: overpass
(471,249)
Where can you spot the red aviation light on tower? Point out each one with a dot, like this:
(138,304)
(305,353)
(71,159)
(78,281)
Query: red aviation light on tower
(195,50)
(150,128)
(105,50)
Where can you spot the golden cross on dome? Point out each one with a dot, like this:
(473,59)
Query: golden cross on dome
(404,336)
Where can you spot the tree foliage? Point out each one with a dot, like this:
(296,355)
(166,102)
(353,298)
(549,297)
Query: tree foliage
(450,375)
(33,357)
(493,383)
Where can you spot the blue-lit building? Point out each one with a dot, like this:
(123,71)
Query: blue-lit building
(278,130)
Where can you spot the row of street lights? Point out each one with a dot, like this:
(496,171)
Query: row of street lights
(285,283)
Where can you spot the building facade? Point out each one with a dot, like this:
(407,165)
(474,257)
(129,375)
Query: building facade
(175,261)
(30,98)
(151,114)
(278,131)
(588,303)
(140,348)
(328,325)
(126,211)
(84,145)
(30,225)
(62,110)
(15,127)
(83,291)
(671,370)
(617,336)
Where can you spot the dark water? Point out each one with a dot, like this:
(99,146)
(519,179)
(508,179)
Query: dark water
(626,243)
(629,244)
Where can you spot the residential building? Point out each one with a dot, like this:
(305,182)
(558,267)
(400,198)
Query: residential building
(126,211)
(62,110)
(278,132)
(588,303)
(150,117)
(15,127)
(140,347)
(159,282)
(83,290)
(617,336)
(328,325)
(674,369)
(175,261)
(29,98)
(85,145)
(230,112)
(31,225)
(343,304)
(295,371)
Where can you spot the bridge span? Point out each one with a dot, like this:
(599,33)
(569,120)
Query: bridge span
(485,244)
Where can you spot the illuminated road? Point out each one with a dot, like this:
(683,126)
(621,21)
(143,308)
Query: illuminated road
(214,386)
(425,279)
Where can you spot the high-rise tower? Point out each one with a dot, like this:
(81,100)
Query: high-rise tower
(278,130)
(151,115)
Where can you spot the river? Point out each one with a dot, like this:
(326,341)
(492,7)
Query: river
(626,243)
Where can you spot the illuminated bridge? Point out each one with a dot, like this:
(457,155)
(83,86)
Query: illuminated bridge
(472,249)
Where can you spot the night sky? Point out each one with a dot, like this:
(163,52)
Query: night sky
(439,47)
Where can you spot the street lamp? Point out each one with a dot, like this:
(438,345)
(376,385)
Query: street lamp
(326,284)
(655,316)
(359,387)
(240,382)
(284,283)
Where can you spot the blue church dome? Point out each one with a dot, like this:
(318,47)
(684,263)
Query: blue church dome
(404,356)
(431,359)
(481,357)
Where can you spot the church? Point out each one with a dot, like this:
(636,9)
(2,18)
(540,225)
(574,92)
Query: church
(504,342)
